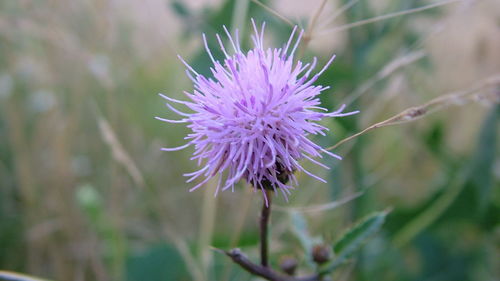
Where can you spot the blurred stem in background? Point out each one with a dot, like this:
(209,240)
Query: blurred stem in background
(208,213)
(357,56)
(239,17)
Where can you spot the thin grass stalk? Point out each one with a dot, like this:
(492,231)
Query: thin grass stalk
(275,13)
(417,112)
(431,214)
(389,16)
(239,17)
(205,234)
(244,204)
(23,172)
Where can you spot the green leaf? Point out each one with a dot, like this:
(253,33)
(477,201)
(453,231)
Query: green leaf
(353,239)
(157,263)
(484,158)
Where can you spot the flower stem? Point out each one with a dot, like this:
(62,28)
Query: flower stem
(264,226)
(264,270)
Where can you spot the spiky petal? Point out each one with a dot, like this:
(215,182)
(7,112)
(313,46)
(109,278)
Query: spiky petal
(252,119)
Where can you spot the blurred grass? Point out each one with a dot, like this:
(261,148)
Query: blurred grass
(85,193)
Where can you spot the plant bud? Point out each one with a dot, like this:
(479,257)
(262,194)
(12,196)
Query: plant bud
(321,253)
(288,264)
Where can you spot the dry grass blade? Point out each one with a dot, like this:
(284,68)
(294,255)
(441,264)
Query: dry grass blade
(314,20)
(339,12)
(14,276)
(308,34)
(118,152)
(439,27)
(391,15)
(186,255)
(388,69)
(319,208)
(274,12)
(417,112)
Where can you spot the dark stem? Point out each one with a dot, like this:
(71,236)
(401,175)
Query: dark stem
(264,225)
(265,272)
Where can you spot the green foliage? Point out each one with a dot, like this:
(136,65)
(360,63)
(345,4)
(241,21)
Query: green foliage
(158,263)
(352,240)
(90,201)
(114,245)
(481,173)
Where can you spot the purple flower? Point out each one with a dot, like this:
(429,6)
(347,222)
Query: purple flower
(252,119)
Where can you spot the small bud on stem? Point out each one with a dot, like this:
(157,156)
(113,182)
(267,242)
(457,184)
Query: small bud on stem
(321,253)
(288,265)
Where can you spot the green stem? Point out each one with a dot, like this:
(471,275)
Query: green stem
(431,214)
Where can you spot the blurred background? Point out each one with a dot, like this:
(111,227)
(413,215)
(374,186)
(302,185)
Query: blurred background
(86,193)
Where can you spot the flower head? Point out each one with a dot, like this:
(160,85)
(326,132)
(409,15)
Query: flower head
(253,118)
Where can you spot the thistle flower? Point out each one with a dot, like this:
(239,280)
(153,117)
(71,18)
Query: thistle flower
(252,119)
